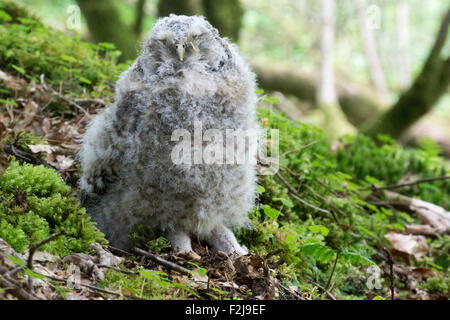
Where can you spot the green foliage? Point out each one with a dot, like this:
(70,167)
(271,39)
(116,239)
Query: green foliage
(29,49)
(37,203)
(147,284)
(439,284)
(34,180)
(346,225)
(388,163)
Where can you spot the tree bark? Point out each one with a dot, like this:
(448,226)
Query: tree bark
(226,16)
(140,13)
(104,24)
(180,7)
(428,87)
(334,122)
(370,49)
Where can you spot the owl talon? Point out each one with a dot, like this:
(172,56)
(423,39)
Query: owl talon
(223,239)
(181,243)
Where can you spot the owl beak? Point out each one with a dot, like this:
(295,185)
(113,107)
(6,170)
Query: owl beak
(180,50)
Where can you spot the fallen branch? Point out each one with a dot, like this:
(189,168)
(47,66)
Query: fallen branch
(427,212)
(406,184)
(14,287)
(163,262)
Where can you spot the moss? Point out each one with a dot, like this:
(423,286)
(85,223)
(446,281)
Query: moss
(29,49)
(36,203)
(34,180)
(140,286)
(438,284)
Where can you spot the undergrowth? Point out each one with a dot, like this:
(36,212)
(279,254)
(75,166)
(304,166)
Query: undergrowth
(35,203)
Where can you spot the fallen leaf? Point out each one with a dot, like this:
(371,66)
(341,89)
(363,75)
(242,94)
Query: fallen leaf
(411,244)
(36,148)
(64,162)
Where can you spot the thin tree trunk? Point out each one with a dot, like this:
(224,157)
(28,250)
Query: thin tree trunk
(326,90)
(404,68)
(226,16)
(180,7)
(104,23)
(140,13)
(370,49)
(429,86)
(335,122)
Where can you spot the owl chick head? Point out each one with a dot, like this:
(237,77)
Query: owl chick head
(177,42)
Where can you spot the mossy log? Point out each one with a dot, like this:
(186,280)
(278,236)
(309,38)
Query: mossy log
(358,103)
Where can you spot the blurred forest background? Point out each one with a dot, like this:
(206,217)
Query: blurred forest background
(389,69)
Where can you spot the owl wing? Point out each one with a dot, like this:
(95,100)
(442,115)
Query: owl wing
(101,153)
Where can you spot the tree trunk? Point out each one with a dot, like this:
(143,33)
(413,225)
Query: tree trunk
(370,49)
(334,122)
(180,7)
(426,90)
(404,68)
(140,12)
(104,24)
(226,16)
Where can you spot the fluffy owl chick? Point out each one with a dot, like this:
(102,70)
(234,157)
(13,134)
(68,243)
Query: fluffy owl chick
(187,82)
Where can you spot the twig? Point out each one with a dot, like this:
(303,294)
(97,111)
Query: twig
(328,293)
(25,156)
(298,149)
(117,269)
(36,245)
(272,253)
(294,194)
(332,271)
(163,262)
(390,261)
(407,184)
(120,250)
(91,287)
(33,249)
(12,286)
(62,97)
(291,292)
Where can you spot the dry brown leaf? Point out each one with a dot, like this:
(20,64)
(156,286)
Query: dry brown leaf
(411,244)
(36,148)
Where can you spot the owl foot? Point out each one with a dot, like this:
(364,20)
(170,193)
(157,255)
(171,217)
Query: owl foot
(181,243)
(223,239)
